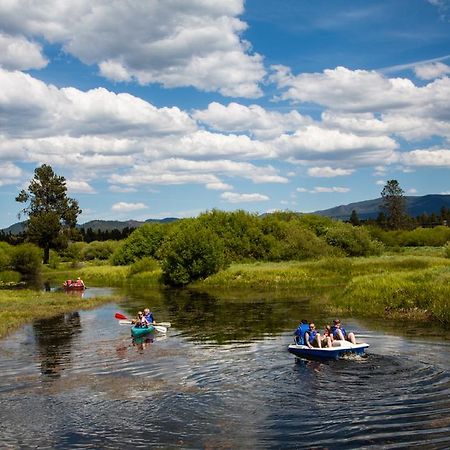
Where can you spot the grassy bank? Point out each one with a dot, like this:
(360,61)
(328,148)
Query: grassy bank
(18,307)
(387,286)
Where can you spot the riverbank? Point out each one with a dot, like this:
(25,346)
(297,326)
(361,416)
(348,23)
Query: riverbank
(18,307)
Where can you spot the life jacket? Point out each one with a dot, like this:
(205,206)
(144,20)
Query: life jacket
(149,317)
(300,333)
(312,335)
(335,333)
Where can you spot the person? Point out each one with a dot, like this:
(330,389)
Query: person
(141,321)
(149,316)
(312,337)
(327,339)
(80,282)
(338,332)
(299,333)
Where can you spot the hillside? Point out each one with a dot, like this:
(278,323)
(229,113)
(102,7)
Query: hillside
(415,206)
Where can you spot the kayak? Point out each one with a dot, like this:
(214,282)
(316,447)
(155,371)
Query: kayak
(339,349)
(141,331)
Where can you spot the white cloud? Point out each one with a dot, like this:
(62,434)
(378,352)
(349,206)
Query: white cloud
(17,53)
(80,187)
(9,173)
(426,158)
(127,207)
(252,119)
(412,191)
(174,43)
(219,186)
(380,182)
(328,172)
(321,189)
(233,197)
(432,70)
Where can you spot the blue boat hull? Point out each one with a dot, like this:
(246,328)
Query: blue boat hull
(141,331)
(338,350)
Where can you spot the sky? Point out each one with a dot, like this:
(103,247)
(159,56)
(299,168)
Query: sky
(169,108)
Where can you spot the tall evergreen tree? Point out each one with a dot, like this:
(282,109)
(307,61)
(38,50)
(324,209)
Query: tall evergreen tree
(52,215)
(394,204)
(354,219)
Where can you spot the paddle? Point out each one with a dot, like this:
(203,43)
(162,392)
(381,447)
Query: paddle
(160,327)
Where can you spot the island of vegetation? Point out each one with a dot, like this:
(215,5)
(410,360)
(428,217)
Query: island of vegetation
(386,268)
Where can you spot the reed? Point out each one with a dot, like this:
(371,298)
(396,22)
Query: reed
(18,307)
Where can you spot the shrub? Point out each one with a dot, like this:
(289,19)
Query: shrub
(143,265)
(5,255)
(101,250)
(144,241)
(73,252)
(27,260)
(192,252)
(354,241)
(447,250)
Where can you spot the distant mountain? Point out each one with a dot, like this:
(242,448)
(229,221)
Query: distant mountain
(95,225)
(369,209)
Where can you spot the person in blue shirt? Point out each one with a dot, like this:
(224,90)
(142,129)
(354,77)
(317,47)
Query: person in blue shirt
(149,316)
(300,332)
(339,333)
(312,337)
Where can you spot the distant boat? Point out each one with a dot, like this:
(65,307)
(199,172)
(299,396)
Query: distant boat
(73,286)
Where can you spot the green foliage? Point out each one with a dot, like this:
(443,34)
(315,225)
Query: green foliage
(143,265)
(318,224)
(52,215)
(27,260)
(191,252)
(101,250)
(240,233)
(354,241)
(5,255)
(419,237)
(447,250)
(144,241)
(74,252)
(394,204)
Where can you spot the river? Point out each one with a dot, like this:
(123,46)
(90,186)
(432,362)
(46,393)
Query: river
(220,379)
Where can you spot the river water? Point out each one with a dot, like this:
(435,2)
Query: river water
(220,379)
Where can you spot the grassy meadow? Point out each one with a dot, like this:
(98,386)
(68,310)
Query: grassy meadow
(18,307)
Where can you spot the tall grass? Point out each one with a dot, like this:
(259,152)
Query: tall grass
(18,307)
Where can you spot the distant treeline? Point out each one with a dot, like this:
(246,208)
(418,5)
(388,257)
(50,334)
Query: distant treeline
(86,235)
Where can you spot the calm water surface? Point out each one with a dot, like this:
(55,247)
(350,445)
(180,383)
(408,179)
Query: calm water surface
(221,378)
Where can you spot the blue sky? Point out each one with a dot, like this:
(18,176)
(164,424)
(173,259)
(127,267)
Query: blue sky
(153,109)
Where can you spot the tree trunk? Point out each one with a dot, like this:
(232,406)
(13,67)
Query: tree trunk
(46,254)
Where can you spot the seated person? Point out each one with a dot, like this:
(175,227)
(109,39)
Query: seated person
(149,316)
(141,321)
(327,339)
(312,337)
(79,282)
(300,332)
(339,333)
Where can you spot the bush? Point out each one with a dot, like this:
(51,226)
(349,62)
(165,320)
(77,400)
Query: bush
(5,255)
(354,241)
(144,241)
(74,252)
(101,250)
(27,260)
(143,265)
(192,252)
(447,250)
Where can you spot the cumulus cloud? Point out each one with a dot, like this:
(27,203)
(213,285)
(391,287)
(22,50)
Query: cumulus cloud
(432,70)
(234,197)
(127,207)
(426,158)
(174,43)
(18,53)
(80,187)
(324,190)
(328,172)
(252,119)
(9,173)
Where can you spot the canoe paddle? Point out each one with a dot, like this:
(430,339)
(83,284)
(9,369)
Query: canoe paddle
(160,327)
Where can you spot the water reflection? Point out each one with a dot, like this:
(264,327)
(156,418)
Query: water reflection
(53,339)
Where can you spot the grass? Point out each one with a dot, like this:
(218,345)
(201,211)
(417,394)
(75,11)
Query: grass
(18,307)
(394,286)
